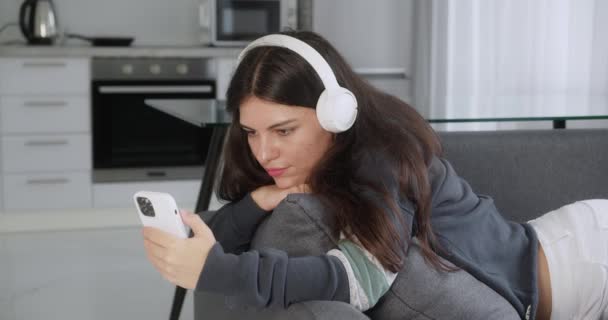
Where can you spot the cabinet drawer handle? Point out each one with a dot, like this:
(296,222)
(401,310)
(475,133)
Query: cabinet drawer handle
(37,143)
(37,104)
(44,64)
(155,89)
(48,181)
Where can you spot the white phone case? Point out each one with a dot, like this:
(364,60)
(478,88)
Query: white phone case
(166,213)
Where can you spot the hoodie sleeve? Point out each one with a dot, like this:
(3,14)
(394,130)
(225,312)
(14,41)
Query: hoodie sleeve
(269,277)
(234,224)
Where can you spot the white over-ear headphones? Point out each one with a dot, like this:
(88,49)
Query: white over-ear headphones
(336,106)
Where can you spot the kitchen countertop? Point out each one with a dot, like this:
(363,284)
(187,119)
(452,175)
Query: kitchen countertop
(69,219)
(42,220)
(23,51)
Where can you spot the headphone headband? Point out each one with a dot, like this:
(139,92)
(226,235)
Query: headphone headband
(314,59)
(336,106)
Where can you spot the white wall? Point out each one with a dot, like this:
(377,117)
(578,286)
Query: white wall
(371,35)
(151,22)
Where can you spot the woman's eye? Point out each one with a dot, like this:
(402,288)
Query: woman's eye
(284,132)
(249,133)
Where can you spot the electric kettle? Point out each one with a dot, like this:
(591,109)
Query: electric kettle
(38,21)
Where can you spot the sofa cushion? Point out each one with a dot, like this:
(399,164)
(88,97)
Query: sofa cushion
(531,172)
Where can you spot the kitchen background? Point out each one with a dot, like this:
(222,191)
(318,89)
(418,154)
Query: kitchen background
(71,247)
(167,35)
(70,242)
(158,22)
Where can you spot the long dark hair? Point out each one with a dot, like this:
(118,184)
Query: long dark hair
(388,135)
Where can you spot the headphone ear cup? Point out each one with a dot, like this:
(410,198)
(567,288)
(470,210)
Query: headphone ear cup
(337,109)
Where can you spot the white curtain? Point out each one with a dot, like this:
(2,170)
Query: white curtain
(511,58)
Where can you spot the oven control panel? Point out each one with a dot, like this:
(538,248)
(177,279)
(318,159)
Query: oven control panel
(130,68)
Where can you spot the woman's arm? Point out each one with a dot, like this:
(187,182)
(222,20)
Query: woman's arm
(234,224)
(269,277)
(266,277)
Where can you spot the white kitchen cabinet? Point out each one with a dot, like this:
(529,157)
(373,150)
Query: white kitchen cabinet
(45,133)
(52,76)
(58,152)
(44,114)
(376,38)
(47,190)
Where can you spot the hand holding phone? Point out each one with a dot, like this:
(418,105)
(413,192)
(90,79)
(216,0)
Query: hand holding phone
(159,210)
(188,255)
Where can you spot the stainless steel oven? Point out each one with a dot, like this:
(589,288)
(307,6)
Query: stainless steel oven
(133,141)
(237,22)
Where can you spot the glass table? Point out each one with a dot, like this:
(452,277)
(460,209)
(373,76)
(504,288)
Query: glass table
(559,122)
(555,108)
(203,113)
(212,114)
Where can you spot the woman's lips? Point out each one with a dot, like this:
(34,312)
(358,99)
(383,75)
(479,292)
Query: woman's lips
(275,172)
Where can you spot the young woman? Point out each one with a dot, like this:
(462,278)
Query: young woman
(378,168)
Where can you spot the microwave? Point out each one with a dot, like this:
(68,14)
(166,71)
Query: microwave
(238,22)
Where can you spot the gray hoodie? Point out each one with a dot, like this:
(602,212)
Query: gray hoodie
(475,237)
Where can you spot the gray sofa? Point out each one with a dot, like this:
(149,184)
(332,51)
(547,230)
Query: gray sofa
(527,173)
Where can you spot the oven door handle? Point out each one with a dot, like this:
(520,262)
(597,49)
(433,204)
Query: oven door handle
(156,89)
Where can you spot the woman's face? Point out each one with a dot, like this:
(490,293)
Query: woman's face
(287,141)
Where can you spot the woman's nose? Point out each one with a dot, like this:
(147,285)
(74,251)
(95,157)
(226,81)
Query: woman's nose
(268,150)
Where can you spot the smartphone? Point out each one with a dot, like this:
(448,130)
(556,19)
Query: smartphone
(159,210)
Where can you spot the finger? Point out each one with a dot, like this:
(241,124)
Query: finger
(197,225)
(160,266)
(152,257)
(155,250)
(158,255)
(157,263)
(159,237)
